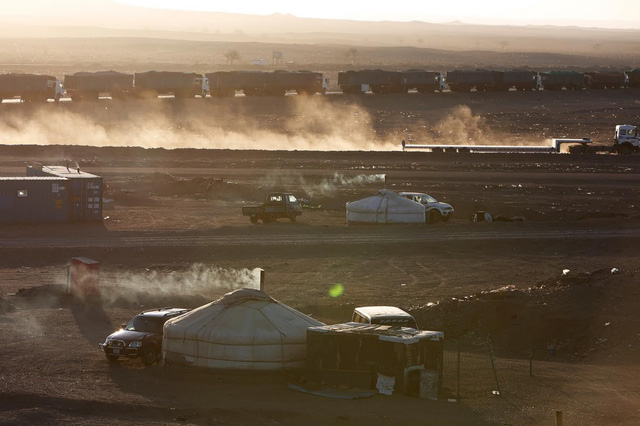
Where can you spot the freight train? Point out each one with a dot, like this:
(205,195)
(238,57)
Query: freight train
(117,85)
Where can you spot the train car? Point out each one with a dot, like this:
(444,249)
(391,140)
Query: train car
(90,85)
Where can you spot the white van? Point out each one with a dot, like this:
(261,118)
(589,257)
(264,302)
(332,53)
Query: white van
(385,315)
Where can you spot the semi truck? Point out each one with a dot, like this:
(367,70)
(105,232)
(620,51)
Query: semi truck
(557,80)
(30,87)
(519,80)
(633,77)
(259,83)
(625,141)
(303,82)
(423,81)
(150,84)
(606,80)
(92,85)
(379,81)
(464,81)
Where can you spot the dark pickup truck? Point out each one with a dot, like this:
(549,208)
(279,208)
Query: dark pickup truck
(276,205)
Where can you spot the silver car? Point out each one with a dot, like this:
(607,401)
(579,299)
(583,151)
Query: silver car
(435,210)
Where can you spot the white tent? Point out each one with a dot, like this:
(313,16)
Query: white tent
(245,329)
(385,207)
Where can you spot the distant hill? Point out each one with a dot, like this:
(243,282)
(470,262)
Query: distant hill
(102,33)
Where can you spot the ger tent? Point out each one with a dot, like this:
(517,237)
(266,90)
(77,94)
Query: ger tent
(245,329)
(385,207)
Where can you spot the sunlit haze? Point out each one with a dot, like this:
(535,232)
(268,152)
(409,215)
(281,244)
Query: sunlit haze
(591,13)
(585,13)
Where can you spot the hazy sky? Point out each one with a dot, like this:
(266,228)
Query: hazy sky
(593,13)
(610,13)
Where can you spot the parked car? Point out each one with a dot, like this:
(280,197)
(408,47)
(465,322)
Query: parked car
(435,210)
(141,337)
(385,315)
(276,205)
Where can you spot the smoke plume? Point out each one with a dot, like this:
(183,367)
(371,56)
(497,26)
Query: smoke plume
(199,279)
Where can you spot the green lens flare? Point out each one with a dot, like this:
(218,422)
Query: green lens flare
(336,290)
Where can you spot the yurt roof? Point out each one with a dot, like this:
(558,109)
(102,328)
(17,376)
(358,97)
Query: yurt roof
(395,202)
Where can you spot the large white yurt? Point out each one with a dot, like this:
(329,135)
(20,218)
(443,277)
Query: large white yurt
(385,207)
(245,329)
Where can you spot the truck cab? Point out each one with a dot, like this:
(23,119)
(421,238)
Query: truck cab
(325,84)
(441,82)
(57,88)
(626,139)
(203,88)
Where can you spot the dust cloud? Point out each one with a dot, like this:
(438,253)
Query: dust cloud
(199,279)
(295,123)
(460,127)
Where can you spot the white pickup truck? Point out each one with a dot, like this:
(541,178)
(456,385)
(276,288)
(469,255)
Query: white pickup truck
(435,210)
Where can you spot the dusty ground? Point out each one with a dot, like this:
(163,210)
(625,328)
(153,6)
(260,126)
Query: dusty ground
(173,232)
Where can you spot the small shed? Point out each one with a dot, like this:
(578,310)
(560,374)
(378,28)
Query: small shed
(385,206)
(244,330)
(83,278)
(356,355)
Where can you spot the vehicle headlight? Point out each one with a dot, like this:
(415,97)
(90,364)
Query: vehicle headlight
(135,344)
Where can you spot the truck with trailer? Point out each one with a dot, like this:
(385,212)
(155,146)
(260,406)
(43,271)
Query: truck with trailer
(150,84)
(464,81)
(423,81)
(259,83)
(303,82)
(557,80)
(226,83)
(633,78)
(91,85)
(30,87)
(606,80)
(520,80)
(625,141)
(379,81)
(277,205)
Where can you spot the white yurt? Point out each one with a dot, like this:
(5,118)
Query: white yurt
(245,329)
(385,207)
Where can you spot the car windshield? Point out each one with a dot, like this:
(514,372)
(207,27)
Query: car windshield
(428,199)
(145,324)
(395,321)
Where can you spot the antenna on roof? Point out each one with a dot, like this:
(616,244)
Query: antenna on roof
(77,167)
(66,163)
